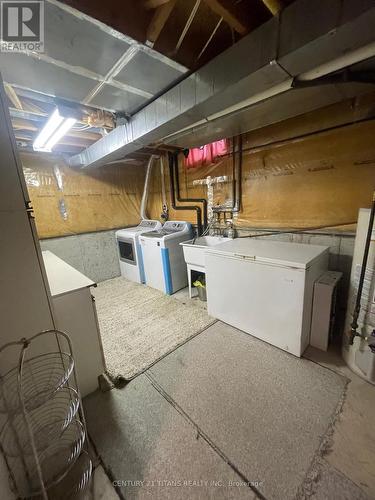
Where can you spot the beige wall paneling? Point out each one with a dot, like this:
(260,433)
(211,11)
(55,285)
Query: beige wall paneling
(95,200)
(313,170)
(318,179)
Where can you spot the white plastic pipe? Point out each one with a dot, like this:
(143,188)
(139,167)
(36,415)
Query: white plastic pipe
(147,187)
(162,175)
(352,57)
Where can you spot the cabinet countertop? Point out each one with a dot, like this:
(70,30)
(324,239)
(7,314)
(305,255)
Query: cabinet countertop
(62,277)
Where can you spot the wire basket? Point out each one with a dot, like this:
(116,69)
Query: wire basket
(42,376)
(43,430)
(48,422)
(75,481)
(55,462)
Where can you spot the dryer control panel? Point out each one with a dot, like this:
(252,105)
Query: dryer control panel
(149,223)
(175,226)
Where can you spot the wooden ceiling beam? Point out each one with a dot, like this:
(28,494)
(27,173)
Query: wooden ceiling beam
(31,107)
(22,124)
(13,97)
(274,6)
(158,21)
(210,38)
(70,141)
(229,17)
(187,26)
(153,4)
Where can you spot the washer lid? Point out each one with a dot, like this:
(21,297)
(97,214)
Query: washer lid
(155,234)
(149,224)
(170,230)
(145,226)
(126,233)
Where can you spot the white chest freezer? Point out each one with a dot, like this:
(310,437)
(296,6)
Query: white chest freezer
(265,288)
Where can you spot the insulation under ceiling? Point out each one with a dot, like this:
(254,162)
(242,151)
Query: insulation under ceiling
(86,61)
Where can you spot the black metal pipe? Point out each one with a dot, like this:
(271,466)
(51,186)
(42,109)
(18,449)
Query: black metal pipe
(189,200)
(173,196)
(357,308)
(238,178)
(233,171)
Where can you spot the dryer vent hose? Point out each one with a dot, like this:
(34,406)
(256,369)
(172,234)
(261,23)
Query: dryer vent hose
(147,187)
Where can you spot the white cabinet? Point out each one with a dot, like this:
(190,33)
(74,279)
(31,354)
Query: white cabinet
(13,192)
(75,314)
(24,305)
(25,302)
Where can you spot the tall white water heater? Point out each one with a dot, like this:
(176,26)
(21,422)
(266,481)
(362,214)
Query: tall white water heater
(360,356)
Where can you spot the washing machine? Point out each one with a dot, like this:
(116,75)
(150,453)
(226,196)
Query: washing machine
(130,255)
(163,257)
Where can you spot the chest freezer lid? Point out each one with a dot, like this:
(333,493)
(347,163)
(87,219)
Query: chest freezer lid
(297,255)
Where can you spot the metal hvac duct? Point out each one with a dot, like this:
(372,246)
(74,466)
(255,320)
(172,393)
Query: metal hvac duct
(272,110)
(307,38)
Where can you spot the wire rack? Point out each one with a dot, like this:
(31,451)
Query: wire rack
(43,433)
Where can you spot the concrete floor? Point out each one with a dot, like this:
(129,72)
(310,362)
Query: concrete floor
(352,452)
(183,296)
(344,472)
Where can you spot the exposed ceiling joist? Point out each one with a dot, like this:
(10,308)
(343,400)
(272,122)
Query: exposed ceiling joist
(144,21)
(21,124)
(158,21)
(274,6)
(222,10)
(153,4)
(29,118)
(30,107)
(13,97)
(210,39)
(187,25)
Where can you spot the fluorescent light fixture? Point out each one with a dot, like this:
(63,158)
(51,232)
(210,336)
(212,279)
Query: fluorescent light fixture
(66,125)
(55,128)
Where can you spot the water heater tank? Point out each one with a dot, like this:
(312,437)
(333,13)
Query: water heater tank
(360,357)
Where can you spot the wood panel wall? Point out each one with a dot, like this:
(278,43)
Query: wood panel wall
(314,170)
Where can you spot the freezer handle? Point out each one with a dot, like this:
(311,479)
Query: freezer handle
(245,257)
(231,255)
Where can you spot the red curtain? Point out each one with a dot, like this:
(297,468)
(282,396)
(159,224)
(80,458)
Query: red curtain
(207,154)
